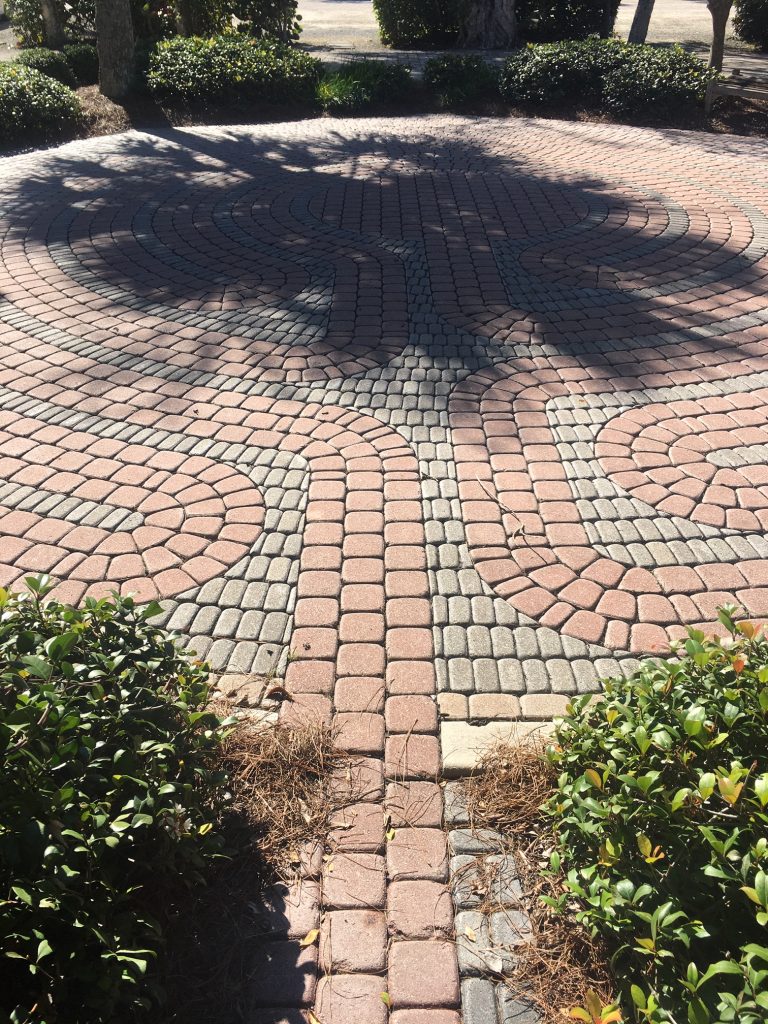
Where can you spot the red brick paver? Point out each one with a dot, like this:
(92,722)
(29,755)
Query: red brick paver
(428,406)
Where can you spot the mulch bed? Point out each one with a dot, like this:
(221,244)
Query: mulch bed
(286,785)
(560,964)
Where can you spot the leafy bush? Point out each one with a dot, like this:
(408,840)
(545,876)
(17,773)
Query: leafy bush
(83,58)
(657,79)
(362,84)
(545,21)
(605,74)
(459,79)
(231,67)
(556,72)
(48,62)
(661,815)
(26,17)
(32,104)
(269,19)
(77,16)
(108,792)
(419,23)
(433,23)
(751,22)
(153,20)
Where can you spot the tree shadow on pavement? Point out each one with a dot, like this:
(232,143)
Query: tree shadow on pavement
(227,225)
(357,241)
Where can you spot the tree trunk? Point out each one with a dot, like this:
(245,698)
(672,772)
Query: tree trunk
(114,41)
(606,27)
(53,25)
(641,21)
(489,25)
(720,10)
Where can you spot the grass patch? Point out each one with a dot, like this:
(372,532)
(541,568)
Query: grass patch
(364,85)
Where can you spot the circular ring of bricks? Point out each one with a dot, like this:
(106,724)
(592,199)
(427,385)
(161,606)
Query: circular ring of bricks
(541,344)
(531,243)
(169,523)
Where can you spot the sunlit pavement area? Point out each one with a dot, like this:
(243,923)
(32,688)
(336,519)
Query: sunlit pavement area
(441,420)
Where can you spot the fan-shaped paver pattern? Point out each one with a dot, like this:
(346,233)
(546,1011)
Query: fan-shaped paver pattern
(462,407)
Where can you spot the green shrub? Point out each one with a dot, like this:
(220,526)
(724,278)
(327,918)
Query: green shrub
(269,19)
(231,67)
(363,84)
(34,105)
(342,95)
(558,72)
(48,62)
(77,17)
(419,23)
(605,74)
(153,20)
(433,23)
(108,794)
(458,79)
(26,18)
(751,22)
(661,818)
(546,21)
(83,58)
(656,79)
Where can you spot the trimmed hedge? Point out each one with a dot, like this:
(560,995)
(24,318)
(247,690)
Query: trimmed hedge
(436,23)
(555,73)
(606,74)
(49,62)
(83,58)
(231,67)
(110,791)
(661,818)
(547,21)
(34,105)
(419,23)
(751,22)
(657,79)
(362,85)
(458,79)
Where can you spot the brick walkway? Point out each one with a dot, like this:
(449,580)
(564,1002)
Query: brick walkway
(461,413)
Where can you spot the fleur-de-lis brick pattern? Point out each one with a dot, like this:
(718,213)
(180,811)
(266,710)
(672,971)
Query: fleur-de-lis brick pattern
(456,406)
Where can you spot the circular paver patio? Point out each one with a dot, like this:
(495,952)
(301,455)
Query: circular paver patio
(555,330)
(446,405)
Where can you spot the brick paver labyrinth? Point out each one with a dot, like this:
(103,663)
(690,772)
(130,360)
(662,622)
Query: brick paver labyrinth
(442,405)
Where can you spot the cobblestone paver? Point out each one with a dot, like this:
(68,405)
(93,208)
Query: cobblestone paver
(490,922)
(437,418)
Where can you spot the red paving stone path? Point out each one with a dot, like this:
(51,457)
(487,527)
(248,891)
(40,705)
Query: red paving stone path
(441,405)
(203,518)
